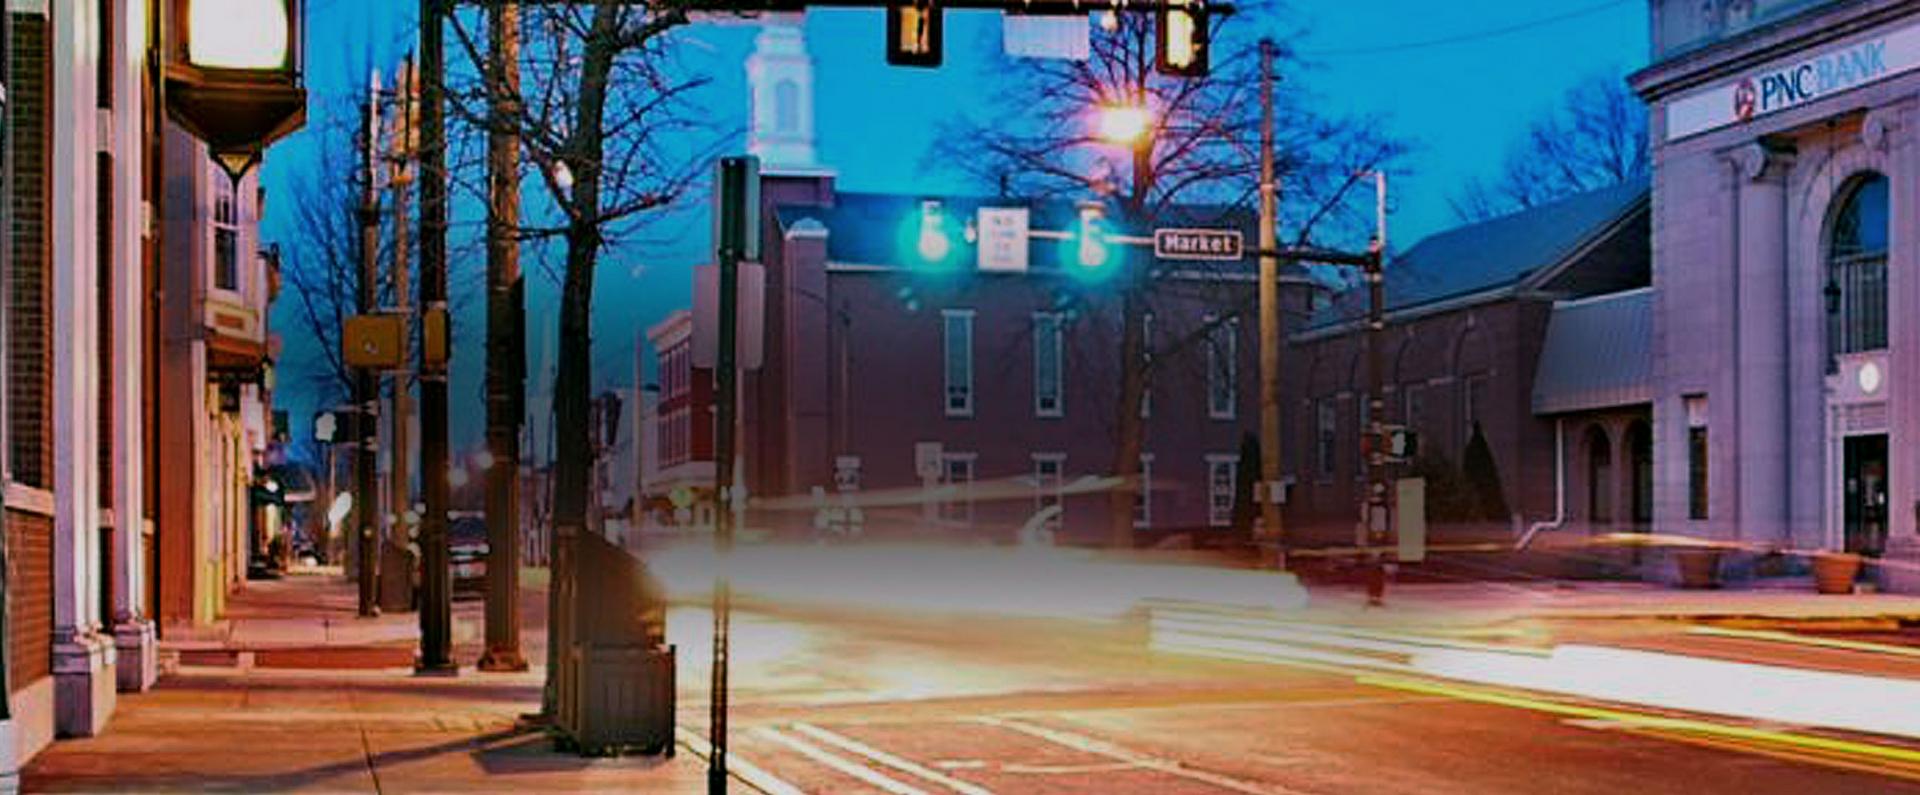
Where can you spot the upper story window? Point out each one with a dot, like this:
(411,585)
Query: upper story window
(786,106)
(226,237)
(1222,371)
(1048,364)
(1856,291)
(957,325)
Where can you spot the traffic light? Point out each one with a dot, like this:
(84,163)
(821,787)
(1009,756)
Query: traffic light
(1088,253)
(1181,30)
(926,238)
(913,34)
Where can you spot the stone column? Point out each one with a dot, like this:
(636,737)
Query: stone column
(1888,131)
(1761,359)
(83,658)
(138,663)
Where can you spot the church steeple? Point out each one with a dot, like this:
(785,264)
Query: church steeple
(780,77)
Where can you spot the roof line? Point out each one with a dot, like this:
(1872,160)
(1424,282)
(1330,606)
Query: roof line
(1587,244)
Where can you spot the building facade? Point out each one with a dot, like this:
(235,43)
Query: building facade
(1485,333)
(1786,152)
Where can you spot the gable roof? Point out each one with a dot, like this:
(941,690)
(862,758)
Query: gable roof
(1494,256)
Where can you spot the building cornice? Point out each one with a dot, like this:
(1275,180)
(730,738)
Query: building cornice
(1780,39)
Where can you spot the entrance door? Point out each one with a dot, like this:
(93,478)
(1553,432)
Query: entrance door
(1865,497)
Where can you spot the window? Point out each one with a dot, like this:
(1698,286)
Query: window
(786,106)
(1473,400)
(1143,496)
(1047,364)
(1856,291)
(1327,440)
(1222,339)
(1413,406)
(1364,419)
(1696,407)
(1146,361)
(959,361)
(1221,474)
(1048,475)
(226,238)
(956,481)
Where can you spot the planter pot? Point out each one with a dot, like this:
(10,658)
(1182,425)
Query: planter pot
(1699,568)
(1834,572)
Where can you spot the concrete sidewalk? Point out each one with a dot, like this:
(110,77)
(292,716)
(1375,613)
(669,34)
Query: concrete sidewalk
(206,729)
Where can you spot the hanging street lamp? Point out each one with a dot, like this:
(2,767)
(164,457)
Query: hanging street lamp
(233,75)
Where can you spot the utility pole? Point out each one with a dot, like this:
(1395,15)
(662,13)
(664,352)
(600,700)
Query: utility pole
(506,343)
(1376,510)
(401,179)
(366,512)
(1270,332)
(436,609)
(737,228)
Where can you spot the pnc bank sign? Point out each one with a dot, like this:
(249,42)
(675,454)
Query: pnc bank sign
(1798,83)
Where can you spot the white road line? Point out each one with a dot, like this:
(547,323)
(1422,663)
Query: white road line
(739,768)
(1098,747)
(854,769)
(903,765)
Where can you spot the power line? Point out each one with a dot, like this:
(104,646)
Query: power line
(1462,38)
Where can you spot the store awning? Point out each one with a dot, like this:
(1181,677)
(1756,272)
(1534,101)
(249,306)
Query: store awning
(1598,354)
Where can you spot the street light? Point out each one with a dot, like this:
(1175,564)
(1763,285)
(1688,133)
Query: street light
(233,75)
(1124,125)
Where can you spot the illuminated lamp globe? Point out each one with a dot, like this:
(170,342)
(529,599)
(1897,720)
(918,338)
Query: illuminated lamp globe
(238,34)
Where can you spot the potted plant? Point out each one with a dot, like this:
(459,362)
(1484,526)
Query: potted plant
(1699,566)
(1834,572)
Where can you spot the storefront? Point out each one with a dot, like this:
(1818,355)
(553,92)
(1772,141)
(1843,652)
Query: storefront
(1786,396)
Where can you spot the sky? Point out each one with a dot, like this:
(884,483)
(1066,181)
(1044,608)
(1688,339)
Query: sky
(1458,85)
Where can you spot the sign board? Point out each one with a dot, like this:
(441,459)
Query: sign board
(750,325)
(926,460)
(374,341)
(1204,244)
(1003,239)
(1410,501)
(325,427)
(1028,36)
(1779,87)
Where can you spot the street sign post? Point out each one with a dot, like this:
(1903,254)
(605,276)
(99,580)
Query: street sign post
(1198,244)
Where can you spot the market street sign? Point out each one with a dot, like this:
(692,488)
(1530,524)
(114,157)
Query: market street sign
(1214,244)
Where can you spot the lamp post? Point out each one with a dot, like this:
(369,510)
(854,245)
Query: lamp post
(233,79)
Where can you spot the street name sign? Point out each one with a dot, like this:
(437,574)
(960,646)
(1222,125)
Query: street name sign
(1204,244)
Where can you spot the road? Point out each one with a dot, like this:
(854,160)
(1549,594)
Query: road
(840,700)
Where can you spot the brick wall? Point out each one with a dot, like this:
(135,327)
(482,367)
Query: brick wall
(29,597)
(29,385)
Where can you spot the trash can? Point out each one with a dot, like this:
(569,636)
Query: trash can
(615,690)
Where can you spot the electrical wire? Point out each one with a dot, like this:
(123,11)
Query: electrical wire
(1464,38)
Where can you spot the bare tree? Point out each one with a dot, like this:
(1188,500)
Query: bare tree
(1194,163)
(320,262)
(601,118)
(1596,138)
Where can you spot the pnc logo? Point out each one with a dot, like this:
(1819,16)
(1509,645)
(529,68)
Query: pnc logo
(1745,97)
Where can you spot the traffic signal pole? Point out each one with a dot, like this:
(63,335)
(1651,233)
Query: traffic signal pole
(436,603)
(1376,511)
(1270,332)
(366,505)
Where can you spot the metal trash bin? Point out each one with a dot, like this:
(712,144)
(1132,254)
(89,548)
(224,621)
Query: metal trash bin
(615,689)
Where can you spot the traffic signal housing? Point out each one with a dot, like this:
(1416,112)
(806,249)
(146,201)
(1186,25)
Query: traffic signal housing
(914,34)
(1180,30)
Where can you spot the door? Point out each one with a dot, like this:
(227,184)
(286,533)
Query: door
(1864,495)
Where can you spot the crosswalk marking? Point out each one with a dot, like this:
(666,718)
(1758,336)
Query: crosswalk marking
(841,764)
(1098,747)
(903,765)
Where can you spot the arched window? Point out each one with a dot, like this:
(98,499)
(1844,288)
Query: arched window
(1856,291)
(1599,476)
(786,106)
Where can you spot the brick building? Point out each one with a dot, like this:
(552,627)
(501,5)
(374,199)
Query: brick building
(1502,325)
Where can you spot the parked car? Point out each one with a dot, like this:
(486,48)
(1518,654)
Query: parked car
(467,553)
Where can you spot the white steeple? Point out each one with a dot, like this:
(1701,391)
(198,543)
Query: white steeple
(780,77)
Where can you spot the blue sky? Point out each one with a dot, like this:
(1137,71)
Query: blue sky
(1458,85)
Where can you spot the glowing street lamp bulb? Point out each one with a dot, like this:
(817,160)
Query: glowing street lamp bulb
(238,34)
(457,478)
(1123,124)
(483,459)
(1109,20)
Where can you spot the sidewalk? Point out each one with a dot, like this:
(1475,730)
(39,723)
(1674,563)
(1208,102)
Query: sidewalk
(206,729)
